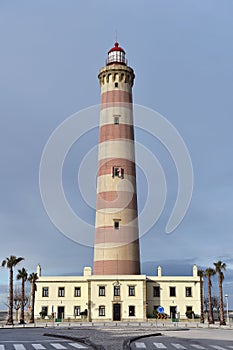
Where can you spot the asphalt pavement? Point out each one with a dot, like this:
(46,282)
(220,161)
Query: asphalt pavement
(176,343)
(34,339)
(115,337)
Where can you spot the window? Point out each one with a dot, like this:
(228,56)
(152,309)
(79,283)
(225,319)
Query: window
(131,291)
(116,291)
(172,291)
(44,311)
(116,85)
(77,311)
(116,119)
(118,172)
(188,291)
(131,310)
(116,224)
(156,291)
(77,291)
(45,292)
(61,291)
(189,308)
(101,310)
(101,291)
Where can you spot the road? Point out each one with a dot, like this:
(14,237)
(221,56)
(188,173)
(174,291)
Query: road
(33,339)
(208,340)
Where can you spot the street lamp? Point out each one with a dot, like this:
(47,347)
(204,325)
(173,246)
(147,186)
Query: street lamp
(226,296)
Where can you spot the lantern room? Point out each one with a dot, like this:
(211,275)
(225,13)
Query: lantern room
(116,55)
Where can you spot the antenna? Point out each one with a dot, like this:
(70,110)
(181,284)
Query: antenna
(116,36)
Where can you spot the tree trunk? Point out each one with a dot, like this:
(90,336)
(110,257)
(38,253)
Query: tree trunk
(211,316)
(32,302)
(10,310)
(221,309)
(22,303)
(202,300)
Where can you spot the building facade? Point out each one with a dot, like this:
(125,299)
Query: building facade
(116,298)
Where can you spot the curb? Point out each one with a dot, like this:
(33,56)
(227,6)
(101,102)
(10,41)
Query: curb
(126,344)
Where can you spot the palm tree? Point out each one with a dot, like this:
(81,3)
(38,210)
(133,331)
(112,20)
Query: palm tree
(209,272)
(219,267)
(10,263)
(22,275)
(32,279)
(201,275)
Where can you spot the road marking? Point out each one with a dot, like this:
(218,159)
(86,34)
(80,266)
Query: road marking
(160,346)
(19,347)
(217,347)
(178,346)
(198,346)
(78,346)
(58,346)
(38,346)
(2,347)
(140,345)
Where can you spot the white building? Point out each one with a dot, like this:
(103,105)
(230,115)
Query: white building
(116,298)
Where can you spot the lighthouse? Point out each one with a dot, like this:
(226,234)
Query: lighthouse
(116,246)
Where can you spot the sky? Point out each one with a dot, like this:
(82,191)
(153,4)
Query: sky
(182,54)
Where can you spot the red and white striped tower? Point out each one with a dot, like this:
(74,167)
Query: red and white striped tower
(116,249)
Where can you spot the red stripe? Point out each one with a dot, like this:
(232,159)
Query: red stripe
(116,199)
(127,105)
(125,234)
(106,165)
(116,95)
(117,267)
(116,131)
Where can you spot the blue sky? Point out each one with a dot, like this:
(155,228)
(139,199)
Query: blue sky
(182,54)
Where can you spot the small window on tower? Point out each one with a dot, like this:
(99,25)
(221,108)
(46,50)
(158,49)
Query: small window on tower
(116,224)
(118,172)
(116,119)
(116,85)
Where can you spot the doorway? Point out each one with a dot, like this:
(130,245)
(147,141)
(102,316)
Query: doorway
(60,312)
(172,311)
(116,312)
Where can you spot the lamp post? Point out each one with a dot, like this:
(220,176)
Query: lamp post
(226,296)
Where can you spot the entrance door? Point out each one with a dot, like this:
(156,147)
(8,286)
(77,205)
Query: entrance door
(116,312)
(172,311)
(60,312)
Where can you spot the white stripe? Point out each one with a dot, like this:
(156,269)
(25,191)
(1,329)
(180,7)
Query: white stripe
(38,346)
(140,345)
(58,346)
(2,347)
(19,347)
(178,346)
(107,183)
(110,86)
(217,347)
(197,346)
(106,219)
(160,345)
(107,115)
(121,148)
(78,346)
